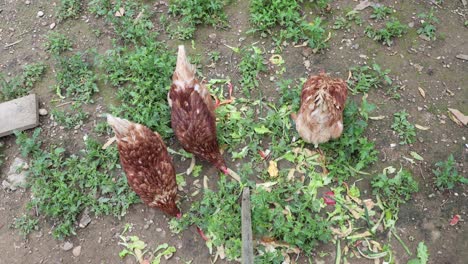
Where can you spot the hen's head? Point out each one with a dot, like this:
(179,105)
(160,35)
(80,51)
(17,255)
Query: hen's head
(171,209)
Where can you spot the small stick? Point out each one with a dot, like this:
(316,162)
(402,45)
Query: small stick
(12,44)
(247,244)
(109,142)
(62,104)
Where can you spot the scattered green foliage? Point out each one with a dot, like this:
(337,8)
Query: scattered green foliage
(365,77)
(19,86)
(214,56)
(405,130)
(143,76)
(267,15)
(428,21)
(218,215)
(133,22)
(250,67)
(393,29)
(102,128)
(447,175)
(380,12)
(394,191)
(69,9)
(190,13)
(352,152)
(70,119)
(25,224)
(75,76)
(345,22)
(62,186)
(57,43)
(422,256)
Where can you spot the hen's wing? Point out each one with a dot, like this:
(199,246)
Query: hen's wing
(194,124)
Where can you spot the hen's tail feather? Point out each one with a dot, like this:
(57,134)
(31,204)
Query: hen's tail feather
(185,71)
(121,126)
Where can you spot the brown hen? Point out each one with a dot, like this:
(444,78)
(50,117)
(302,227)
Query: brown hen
(192,117)
(320,117)
(148,166)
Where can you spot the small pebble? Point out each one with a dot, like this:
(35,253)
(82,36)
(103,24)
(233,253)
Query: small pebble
(76,251)
(52,26)
(67,246)
(43,112)
(40,14)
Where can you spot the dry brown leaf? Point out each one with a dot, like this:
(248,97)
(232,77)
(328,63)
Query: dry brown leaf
(421,127)
(120,12)
(459,116)
(422,92)
(273,169)
(266,185)
(341,234)
(271,244)
(220,252)
(369,204)
(291,174)
(377,117)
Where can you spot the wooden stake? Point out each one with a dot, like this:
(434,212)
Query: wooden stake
(247,244)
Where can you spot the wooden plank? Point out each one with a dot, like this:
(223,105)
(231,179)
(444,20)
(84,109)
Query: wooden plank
(247,241)
(19,114)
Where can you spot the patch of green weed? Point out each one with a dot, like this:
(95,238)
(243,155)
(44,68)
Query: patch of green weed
(250,67)
(62,185)
(422,255)
(394,191)
(365,77)
(75,77)
(447,175)
(57,43)
(405,130)
(380,12)
(69,9)
(143,76)
(70,119)
(25,224)
(428,21)
(190,13)
(392,29)
(352,152)
(267,15)
(19,86)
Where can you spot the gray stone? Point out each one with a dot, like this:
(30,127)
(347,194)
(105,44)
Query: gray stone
(19,114)
(43,112)
(85,219)
(76,251)
(66,246)
(16,177)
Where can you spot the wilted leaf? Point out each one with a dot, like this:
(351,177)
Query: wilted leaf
(416,156)
(455,220)
(421,127)
(266,185)
(329,198)
(376,117)
(120,12)
(273,169)
(422,92)
(459,116)
(262,130)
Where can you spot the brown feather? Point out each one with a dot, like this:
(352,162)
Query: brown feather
(147,164)
(320,117)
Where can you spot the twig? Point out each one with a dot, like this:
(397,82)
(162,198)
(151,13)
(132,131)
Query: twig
(62,104)
(12,44)
(109,142)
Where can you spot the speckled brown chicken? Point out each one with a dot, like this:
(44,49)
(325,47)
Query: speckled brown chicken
(320,117)
(148,166)
(192,116)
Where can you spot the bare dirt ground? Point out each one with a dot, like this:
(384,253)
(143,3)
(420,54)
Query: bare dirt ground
(414,62)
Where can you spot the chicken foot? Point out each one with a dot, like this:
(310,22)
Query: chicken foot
(228,101)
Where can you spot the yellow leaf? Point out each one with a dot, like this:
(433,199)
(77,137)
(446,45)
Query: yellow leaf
(422,92)
(273,169)
(421,127)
